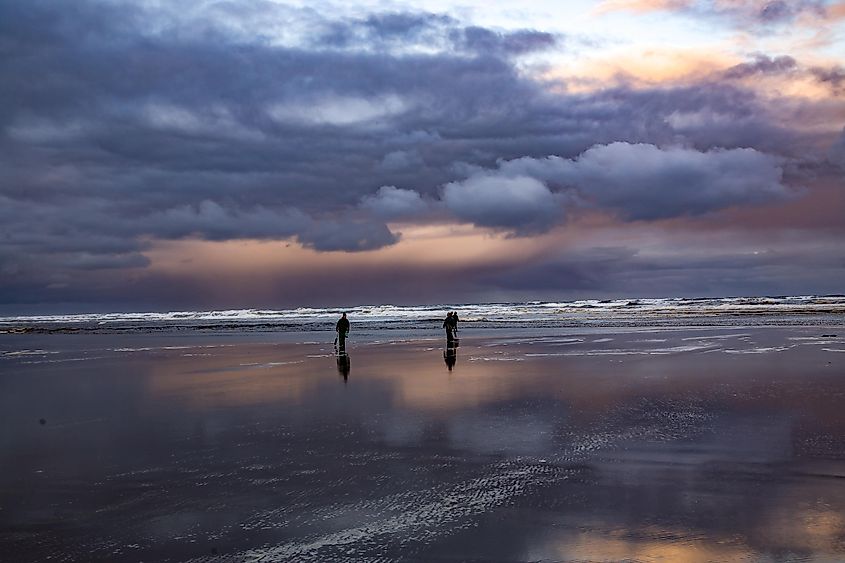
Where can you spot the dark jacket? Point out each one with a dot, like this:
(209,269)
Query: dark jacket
(342,325)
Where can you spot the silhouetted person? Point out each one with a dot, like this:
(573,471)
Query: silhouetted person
(344,366)
(449,326)
(342,328)
(450,356)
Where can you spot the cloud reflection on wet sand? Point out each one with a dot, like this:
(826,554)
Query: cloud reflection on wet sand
(265,450)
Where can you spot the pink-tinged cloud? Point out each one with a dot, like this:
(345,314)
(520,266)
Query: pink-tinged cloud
(641,6)
(835,11)
(739,12)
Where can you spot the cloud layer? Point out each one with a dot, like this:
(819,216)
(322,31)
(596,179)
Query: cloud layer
(126,124)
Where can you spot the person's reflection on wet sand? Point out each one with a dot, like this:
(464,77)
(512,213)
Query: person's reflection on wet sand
(450,355)
(343,366)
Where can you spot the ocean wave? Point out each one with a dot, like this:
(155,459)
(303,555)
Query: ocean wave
(590,312)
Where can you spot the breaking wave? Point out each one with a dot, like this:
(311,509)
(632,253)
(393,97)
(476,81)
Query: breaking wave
(750,311)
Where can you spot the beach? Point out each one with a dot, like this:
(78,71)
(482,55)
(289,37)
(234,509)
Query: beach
(693,443)
(589,255)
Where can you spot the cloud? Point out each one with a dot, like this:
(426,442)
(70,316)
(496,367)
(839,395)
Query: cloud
(401,160)
(88,261)
(770,11)
(397,31)
(836,11)
(520,203)
(338,110)
(402,25)
(211,221)
(404,32)
(833,76)
(486,41)
(737,12)
(390,202)
(642,6)
(125,123)
(643,181)
(347,236)
(762,64)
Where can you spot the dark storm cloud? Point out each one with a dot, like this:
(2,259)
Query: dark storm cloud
(89,261)
(211,221)
(122,123)
(76,229)
(347,235)
(762,64)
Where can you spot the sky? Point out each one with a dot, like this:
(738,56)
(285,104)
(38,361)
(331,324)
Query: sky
(218,154)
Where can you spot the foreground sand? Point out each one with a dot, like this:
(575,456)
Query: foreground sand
(681,445)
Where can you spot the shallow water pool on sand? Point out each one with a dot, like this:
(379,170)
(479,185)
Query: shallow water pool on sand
(684,445)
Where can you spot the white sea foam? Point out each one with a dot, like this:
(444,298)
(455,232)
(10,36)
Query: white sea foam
(627,351)
(64,360)
(271,364)
(764,350)
(717,337)
(15,353)
(494,359)
(815,340)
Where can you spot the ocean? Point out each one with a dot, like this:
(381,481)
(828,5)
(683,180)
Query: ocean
(806,310)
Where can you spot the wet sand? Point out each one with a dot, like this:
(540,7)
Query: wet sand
(682,445)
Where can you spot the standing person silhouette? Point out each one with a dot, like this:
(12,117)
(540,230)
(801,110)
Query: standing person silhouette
(342,328)
(449,325)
